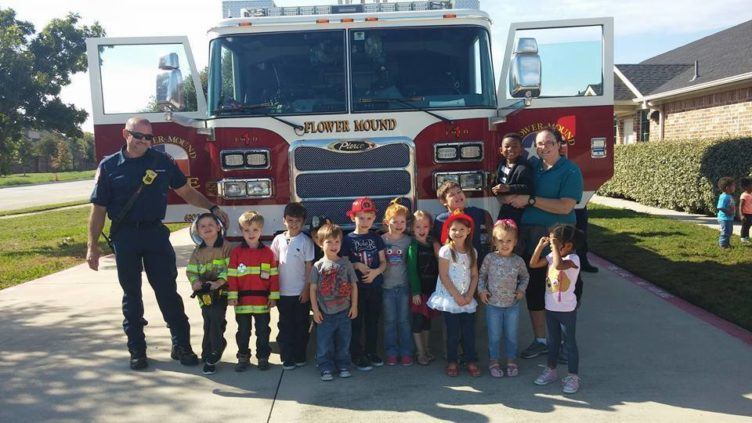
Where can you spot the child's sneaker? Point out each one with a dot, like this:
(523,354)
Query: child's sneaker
(244,360)
(571,384)
(375,360)
(548,376)
(327,376)
(213,359)
(289,365)
(534,350)
(745,240)
(363,364)
(407,361)
(209,369)
(300,363)
(344,373)
(391,360)
(263,364)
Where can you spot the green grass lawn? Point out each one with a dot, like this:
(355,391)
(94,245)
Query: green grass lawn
(45,207)
(682,258)
(38,178)
(37,245)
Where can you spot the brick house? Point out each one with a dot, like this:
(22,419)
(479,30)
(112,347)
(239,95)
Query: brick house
(701,89)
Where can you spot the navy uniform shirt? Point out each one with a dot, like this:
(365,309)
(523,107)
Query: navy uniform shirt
(118,177)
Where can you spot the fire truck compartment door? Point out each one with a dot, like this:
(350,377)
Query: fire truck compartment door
(576,59)
(124,74)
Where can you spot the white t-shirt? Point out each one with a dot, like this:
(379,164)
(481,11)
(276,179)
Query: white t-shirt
(560,284)
(292,253)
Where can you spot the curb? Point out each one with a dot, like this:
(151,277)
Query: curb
(730,328)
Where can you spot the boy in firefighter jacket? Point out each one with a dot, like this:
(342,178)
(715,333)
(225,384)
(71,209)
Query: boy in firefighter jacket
(252,288)
(207,273)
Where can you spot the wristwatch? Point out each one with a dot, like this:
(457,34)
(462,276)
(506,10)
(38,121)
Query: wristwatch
(531,201)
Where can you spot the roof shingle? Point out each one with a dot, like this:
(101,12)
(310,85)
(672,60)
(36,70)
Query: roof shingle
(721,55)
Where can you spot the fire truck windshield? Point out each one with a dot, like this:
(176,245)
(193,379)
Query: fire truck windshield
(447,67)
(278,74)
(293,73)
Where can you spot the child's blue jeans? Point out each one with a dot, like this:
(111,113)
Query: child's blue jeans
(506,320)
(727,228)
(333,342)
(398,339)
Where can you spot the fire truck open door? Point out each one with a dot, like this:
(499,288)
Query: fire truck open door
(576,91)
(145,76)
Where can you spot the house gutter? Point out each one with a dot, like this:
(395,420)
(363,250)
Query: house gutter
(706,85)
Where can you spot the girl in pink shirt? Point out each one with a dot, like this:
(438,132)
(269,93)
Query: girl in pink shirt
(561,302)
(745,208)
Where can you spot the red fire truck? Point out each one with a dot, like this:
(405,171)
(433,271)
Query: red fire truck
(323,104)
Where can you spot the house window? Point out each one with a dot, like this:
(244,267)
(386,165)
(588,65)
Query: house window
(630,137)
(644,125)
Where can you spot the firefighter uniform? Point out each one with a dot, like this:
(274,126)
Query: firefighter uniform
(142,242)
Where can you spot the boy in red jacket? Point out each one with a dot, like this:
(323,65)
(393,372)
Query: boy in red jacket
(253,288)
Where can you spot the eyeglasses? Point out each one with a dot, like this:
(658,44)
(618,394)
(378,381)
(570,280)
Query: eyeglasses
(141,136)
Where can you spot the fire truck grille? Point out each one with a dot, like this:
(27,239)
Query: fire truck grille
(387,156)
(327,181)
(353,184)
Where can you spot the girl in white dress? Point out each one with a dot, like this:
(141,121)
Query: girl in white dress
(455,291)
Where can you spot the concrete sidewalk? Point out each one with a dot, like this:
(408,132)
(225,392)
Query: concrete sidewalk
(700,219)
(63,358)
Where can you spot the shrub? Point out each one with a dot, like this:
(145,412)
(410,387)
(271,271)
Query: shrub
(678,175)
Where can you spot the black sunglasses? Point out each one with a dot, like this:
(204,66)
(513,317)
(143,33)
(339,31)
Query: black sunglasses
(140,136)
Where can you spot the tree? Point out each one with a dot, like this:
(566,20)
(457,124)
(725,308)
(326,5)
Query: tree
(33,69)
(62,159)
(189,91)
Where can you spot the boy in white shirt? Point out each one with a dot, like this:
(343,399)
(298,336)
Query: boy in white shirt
(294,251)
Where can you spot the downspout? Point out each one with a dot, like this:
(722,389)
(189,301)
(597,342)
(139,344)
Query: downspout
(662,121)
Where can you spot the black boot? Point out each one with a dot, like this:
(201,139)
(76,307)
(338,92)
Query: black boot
(138,360)
(185,355)
(587,267)
(244,360)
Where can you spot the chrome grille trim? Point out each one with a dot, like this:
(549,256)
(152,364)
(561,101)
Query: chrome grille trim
(349,161)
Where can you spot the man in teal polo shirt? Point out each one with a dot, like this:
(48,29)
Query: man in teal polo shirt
(558,188)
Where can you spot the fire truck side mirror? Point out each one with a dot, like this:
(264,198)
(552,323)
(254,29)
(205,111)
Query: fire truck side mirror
(169,93)
(525,70)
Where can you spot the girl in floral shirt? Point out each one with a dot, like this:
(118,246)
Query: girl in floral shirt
(501,285)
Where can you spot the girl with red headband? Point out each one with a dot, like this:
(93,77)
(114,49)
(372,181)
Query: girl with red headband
(455,290)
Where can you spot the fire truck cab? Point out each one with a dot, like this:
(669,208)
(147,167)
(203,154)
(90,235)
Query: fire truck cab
(324,104)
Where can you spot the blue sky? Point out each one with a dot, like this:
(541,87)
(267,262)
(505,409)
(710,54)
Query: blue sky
(643,28)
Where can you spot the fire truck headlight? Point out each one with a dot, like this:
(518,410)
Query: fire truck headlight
(234,189)
(443,177)
(446,153)
(471,152)
(232,160)
(472,181)
(257,159)
(260,188)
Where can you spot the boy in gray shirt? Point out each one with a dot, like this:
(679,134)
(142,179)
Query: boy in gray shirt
(334,299)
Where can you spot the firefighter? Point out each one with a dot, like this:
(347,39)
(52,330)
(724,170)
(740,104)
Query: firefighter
(131,188)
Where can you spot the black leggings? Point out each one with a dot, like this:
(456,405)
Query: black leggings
(421,323)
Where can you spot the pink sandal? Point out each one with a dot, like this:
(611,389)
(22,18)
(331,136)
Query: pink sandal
(512,370)
(495,370)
